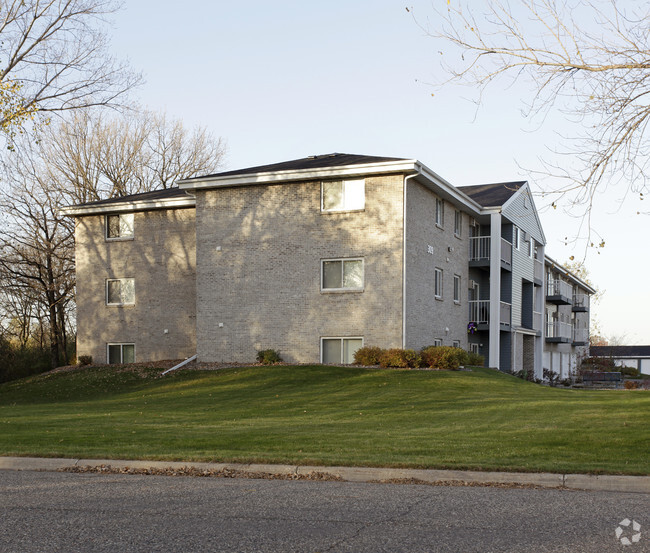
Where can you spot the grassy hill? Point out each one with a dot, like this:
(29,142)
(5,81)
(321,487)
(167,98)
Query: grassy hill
(327,415)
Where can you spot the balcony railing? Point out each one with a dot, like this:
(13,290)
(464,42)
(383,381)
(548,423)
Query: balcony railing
(539,270)
(479,249)
(557,329)
(581,335)
(581,302)
(479,312)
(557,287)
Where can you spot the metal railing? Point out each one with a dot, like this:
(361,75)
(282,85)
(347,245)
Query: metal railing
(581,335)
(558,329)
(479,248)
(479,312)
(581,300)
(506,251)
(557,287)
(539,270)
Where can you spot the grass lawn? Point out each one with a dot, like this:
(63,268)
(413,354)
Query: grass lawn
(327,415)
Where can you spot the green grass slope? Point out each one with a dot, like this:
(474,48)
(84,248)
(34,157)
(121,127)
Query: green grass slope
(327,415)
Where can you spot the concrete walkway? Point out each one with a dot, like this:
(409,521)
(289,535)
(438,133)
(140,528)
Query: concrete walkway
(617,483)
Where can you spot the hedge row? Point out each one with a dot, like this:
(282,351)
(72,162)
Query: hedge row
(435,357)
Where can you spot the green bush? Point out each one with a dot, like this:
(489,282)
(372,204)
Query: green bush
(629,372)
(85,360)
(268,357)
(475,359)
(444,357)
(368,355)
(399,359)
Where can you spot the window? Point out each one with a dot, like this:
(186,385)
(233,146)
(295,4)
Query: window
(438,283)
(119,227)
(437,342)
(120,291)
(458,223)
(339,350)
(531,248)
(455,344)
(440,212)
(346,195)
(474,348)
(121,353)
(456,289)
(516,237)
(342,274)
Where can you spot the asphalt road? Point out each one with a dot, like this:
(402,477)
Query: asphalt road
(58,512)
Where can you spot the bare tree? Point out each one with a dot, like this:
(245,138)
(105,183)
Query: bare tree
(54,58)
(589,59)
(93,157)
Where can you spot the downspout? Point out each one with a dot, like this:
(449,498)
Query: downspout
(181,364)
(406,179)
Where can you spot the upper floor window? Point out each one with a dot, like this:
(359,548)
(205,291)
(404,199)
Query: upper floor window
(342,274)
(440,212)
(119,226)
(456,289)
(458,223)
(120,291)
(516,237)
(438,283)
(345,195)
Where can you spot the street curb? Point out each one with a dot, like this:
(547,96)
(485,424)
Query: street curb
(613,483)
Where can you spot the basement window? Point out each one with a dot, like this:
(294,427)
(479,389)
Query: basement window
(120,353)
(339,350)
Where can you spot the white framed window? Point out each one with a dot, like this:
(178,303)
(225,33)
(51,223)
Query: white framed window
(474,348)
(458,223)
(440,212)
(516,237)
(438,283)
(343,195)
(119,226)
(120,353)
(455,344)
(120,291)
(437,342)
(339,350)
(342,274)
(456,288)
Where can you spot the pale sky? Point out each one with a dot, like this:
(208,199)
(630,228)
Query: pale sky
(287,79)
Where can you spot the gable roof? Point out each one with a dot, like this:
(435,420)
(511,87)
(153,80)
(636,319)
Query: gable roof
(310,162)
(619,351)
(492,195)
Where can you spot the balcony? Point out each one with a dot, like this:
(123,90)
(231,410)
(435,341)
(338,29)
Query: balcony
(538,277)
(580,336)
(479,252)
(559,292)
(538,321)
(580,303)
(479,313)
(558,332)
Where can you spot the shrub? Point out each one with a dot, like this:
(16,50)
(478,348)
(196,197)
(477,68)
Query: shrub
(629,372)
(268,357)
(368,355)
(444,357)
(600,364)
(475,359)
(552,377)
(399,358)
(85,360)
(629,385)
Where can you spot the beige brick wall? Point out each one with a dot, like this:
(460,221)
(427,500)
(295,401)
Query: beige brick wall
(263,284)
(162,260)
(427,318)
